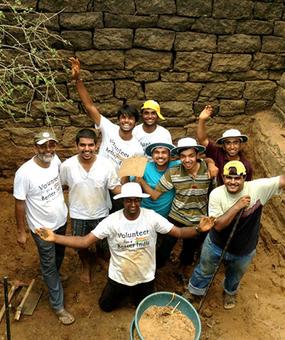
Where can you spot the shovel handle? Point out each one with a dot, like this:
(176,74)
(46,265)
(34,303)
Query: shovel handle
(10,295)
(20,307)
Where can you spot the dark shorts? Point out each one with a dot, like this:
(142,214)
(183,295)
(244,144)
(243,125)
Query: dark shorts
(83,227)
(114,294)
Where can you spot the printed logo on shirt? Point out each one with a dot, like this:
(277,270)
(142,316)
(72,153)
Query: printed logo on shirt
(116,153)
(135,240)
(50,189)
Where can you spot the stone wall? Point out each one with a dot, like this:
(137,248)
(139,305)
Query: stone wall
(182,53)
(279,104)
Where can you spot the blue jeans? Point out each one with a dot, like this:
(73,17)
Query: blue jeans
(51,257)
(235,267)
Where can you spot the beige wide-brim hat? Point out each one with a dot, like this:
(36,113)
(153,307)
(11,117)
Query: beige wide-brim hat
(131,189)
(232,133)
(187,143)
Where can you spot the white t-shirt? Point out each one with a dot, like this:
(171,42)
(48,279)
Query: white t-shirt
(88,191)
(159,135)
(261,190)
(113,146)
(132,244)
(41,190)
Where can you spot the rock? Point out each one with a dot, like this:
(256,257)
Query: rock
(113,38)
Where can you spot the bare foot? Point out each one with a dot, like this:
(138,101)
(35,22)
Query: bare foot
(86,274)
(85,277)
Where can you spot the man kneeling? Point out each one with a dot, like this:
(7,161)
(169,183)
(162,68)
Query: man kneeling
(131,234)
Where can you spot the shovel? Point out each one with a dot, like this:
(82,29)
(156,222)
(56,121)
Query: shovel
(29,301)
(221,259)
(15,285)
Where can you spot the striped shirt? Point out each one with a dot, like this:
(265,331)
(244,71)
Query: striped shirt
(191,193)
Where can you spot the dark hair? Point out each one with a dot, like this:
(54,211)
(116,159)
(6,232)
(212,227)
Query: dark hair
(186,148)
(233,172)
(128,110)
(86,133)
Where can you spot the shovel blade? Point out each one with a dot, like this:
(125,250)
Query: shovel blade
(32,301)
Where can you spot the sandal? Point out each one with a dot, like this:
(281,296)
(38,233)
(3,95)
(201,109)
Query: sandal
(64,317)
(229,301)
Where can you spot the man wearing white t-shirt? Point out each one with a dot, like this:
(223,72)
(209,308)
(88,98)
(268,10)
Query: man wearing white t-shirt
(225,203)
(39,201)
(149,131)
(89,178)
(131,234)
(118,142)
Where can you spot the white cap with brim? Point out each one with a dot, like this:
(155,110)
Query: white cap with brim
(187,143)
(43,137)
(232,133)
(131,189)
(149,149)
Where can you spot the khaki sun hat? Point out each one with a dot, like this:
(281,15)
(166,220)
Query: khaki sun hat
(234,168)
(43,137)
(152,104)
(232,133)
(131,189)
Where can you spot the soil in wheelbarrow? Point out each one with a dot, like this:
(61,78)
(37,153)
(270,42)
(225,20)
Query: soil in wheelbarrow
(164,322)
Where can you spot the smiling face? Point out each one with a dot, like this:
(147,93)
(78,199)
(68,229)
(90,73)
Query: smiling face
(232,146)
(86,149)
(234,183)
(126,122)
(132,207)
(149,117)
(161,157)
(46,151)
(188,158)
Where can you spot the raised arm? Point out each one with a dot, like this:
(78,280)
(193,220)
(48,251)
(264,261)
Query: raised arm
(201,128)
(91,109)
(20,221)
(68,241)
(154,194)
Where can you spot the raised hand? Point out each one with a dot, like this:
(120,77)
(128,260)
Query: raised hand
(45,234)
(207,112)
(75,67)
(206,223)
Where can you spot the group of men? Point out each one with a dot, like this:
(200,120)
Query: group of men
(173,198)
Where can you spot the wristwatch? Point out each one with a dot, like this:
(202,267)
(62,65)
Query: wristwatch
(198,229)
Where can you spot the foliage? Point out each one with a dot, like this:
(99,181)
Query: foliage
(29,62)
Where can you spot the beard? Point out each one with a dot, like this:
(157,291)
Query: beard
(45,158)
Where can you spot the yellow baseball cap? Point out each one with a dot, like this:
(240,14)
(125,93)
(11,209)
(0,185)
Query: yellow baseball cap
(152,104)
(234,168)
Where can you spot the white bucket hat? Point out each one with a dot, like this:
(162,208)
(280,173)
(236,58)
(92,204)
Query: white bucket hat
(232,133)
(149,149)
(131,189)
(187,143)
